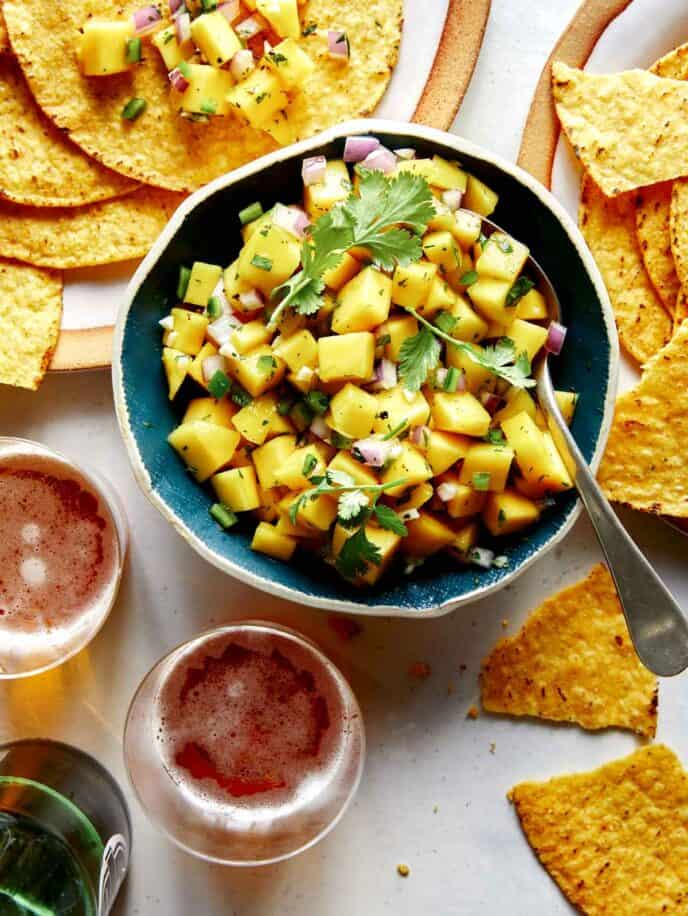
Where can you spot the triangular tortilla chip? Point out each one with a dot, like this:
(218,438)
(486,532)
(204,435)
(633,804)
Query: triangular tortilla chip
(628,129)
(608,225)
(39,165)
(99,233)
(645,464)
(573,661)
(30,312)
(652,222)
(615,840)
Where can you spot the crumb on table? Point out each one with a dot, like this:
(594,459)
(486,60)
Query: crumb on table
(403,870)
(473,712)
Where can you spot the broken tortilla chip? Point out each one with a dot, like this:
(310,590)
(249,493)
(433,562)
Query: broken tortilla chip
(100,233)
(615,839)
(39,166)
(30,313)
(628,129)
(652,220)
(573,661)
(160,147)
(608,225)
(644,465)
(679,229)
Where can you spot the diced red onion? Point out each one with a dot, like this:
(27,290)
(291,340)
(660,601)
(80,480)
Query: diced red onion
(220,330)
(167,323)
(440,376)
(419,435)
(338,44)
(490,401)
(385,376)
(380,160)
(182,27)
(409,515)
(250,27)
(452,199)
(230,10)
(320,429)
(374,452)
(293,220)
(357,148)
(146,19)
(405,153)
(250,300)
(313,169)
(481,556)
(242,64)
(556,335)
(211,365)
(174,5)
(178,80)
(446,492)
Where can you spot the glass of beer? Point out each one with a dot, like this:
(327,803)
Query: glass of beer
(65,832)
(245,745)
(63,538)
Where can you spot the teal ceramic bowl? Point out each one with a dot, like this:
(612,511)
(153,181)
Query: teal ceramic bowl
(205,228)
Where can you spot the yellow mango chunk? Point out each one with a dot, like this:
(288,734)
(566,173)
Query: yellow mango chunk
(188,331)
(258,371)
(469,327)
(283,16)
(352,412)
(466,227)
(460,412)
(266,539)
(397,406)
(291,471)
(176,365)
(482,459)
(440,248)
(397,329)
(346,357)
(336,277)
(363,303)
(502,258)
(270,457)
(437,172)
(196,368)
(411,284)
(215,38)
(466,501)
(204,447)
(567,401)
(478,197)
(260,420)
(212,411)
(165,41)
(268,258)
(291,64)
(527,337)
(320,197)
(237,489)
(203,280)
(442,450)
(426,535)
(386,541)
(415,497)
(299,350)
(509,511)
(409,466)
(102,48)
(361,474)
(249,336)
(207,90)
(536,456)
(532,306)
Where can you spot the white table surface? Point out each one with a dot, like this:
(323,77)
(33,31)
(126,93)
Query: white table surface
(433,792)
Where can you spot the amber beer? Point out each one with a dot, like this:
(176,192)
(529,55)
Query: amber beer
(60,558)
(257,738)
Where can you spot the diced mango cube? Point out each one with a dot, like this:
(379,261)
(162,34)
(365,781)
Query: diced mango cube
(363,303)
(318,513)
(176,365)
(266,539)
(398,329)
(527,337)
(466,228)
(196,368)
(237,489)
(360,473)
(207,90)
(466,501)
(444,449)
(204,447)
(386,542)
(291,64)
(212,411)
(509,511)
(188,331)
(426,535)
(484,458)
(437,172)
(532,306)
(411,284)
(260,420)
(489,298)
(397,406)
(517,400)
(215,38)
(466,538)
(441,297)
(469,327)
(258,371)
(460,412)
(346,357)
(476,376)
(536,456)
(102,49)
(567,401)
(299,350)
(291,471)
(320,197)
(336,277)
(258,98)
(502,257)
(165,41)
(409,467)
(440,248)
(479,197)
(283,16)
(415,497)
(268,258)
(249,336)
(203,280)
(352,412)
(270,457)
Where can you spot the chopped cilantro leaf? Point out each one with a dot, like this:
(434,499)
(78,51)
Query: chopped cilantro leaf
(261,262)
(388,518)
(469,278)
(522,286)
(219,385)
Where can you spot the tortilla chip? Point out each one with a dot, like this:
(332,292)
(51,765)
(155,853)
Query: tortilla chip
(30,313)
(652,217)
(679,229)
(4,37)
(608,225)
(673,65)
(615,840)
(628,129)
(573,661)
(162,148)
(38,166)
(101,233)
(645,464)
(681,312)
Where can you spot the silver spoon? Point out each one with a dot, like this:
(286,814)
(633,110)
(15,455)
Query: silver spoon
(657,625)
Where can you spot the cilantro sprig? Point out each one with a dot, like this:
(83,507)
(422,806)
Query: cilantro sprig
(420,354)
(387,216)
(356,505)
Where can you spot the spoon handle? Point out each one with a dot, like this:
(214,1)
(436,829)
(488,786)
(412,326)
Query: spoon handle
(657,625)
